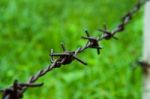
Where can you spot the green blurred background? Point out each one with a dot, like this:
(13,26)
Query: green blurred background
(29,28)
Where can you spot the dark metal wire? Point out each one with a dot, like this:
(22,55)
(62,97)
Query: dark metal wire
(17,89)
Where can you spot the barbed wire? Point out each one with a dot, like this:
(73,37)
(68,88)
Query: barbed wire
(66,57)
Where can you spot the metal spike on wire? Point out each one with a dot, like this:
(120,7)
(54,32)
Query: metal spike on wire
(66,57)
(93,42)
(17,89)
(107,34)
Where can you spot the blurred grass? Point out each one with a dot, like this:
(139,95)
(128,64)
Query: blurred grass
(29,28)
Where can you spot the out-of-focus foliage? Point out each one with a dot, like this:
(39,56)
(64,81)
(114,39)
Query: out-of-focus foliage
(29,28)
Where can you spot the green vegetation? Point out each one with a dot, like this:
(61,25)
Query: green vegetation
(29,28)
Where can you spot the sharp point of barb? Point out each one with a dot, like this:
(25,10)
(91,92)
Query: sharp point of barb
(32,84)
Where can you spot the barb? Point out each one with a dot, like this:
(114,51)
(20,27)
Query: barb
(107,34)
(144,66)
(66,57)
(16,90)
(93,42)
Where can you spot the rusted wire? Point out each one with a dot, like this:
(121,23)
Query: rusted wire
(17,89)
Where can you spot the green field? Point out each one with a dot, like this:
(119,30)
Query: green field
(30,28)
